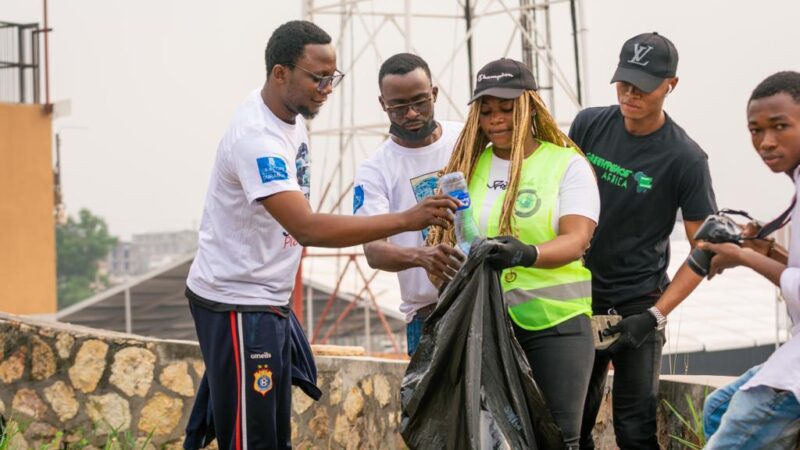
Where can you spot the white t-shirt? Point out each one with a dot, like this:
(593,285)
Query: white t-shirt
(577,193)
(782,369)
(394,179)
(244,256)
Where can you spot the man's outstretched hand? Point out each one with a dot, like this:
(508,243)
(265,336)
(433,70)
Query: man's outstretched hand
(633,330)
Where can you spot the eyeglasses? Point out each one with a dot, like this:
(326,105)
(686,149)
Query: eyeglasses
(420,106)
(324,81)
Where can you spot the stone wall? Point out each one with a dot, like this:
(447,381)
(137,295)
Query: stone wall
(86,383)
(56,377)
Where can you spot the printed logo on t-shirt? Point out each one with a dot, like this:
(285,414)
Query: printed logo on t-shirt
(528,203)
(424,186)
(358,197)
(272,168)
(289,240)
(303,167)
(644,183)
(616,175)
(497,184)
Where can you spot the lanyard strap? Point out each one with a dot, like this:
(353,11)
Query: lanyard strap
(777,223)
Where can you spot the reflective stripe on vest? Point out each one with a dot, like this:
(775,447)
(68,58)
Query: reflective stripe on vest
(563,292)
(536,298)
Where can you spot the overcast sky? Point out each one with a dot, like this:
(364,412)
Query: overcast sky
(153,85)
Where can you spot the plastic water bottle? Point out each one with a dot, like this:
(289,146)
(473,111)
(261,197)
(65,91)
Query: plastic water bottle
(454,185)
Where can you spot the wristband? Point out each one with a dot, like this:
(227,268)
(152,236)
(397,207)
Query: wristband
(535,255)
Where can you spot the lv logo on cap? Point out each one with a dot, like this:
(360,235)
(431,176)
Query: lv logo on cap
(639,52)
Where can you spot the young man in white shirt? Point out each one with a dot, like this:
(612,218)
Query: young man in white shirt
(760,409)
(402,172)
(255,221)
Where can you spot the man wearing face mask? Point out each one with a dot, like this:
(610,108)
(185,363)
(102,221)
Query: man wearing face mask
(402,172)
(647,169)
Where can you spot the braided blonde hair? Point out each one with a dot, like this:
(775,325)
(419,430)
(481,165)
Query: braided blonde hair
(471,143)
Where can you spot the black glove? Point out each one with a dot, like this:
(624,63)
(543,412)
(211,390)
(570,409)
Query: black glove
(633,331)
(510,252)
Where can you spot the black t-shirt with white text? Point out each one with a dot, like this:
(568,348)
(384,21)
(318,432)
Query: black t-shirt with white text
(643,182)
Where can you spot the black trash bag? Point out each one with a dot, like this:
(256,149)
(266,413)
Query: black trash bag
(469,385)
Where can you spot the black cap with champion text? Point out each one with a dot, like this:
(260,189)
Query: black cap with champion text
(646,60)
(503,78)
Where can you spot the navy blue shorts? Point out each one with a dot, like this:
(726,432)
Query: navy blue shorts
(244,399)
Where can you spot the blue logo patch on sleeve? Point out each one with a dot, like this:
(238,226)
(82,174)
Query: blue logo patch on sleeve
(272,168)
(358,197)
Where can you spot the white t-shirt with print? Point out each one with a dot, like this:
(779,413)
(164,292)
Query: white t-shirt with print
(577,193)
(244,256)
(394,179)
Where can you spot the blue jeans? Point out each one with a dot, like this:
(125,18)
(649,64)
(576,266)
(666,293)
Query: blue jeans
(413,333)
(757,418)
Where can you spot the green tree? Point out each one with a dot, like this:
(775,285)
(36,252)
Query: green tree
(81,245)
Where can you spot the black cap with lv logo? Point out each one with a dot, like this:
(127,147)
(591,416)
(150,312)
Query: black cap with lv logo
(646,60)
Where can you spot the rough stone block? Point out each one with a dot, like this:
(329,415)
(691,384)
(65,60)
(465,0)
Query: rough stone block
(27,402)
(62,399)
(353,404)
(176,378)
(43,360)
(109,412)
(12,368)
(383,389)
(64,343)
(89,365)
(161,415)
(133,370)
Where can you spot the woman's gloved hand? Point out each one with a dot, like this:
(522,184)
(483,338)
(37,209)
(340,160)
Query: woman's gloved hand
(511,252)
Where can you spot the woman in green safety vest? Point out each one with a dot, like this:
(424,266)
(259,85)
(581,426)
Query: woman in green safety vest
(533,189)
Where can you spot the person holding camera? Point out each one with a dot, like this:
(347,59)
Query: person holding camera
(760,409)
(647,168)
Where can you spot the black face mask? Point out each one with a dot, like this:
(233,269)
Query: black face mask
(413,136)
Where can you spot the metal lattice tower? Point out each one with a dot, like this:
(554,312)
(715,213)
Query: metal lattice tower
(456,38)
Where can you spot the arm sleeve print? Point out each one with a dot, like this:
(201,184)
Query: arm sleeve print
(369,194)
(264,167)
(696,195)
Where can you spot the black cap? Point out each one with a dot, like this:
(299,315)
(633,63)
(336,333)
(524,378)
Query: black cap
(503,78)
(646,60)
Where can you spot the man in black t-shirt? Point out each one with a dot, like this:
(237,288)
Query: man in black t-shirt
(647,169)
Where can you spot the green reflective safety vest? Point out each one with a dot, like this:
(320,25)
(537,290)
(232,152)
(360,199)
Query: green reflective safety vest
(536,298)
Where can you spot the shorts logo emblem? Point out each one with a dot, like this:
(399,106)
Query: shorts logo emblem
(262,382)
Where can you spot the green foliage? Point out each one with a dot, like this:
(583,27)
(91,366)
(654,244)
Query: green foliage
(7,431)
(118,440)
(80,246)
(115,440)
(53,444)
(693,425)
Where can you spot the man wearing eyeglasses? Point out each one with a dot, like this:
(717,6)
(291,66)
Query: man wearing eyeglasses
(255,221)
(401,173)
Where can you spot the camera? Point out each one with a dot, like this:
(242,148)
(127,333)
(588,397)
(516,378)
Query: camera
(717,228)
